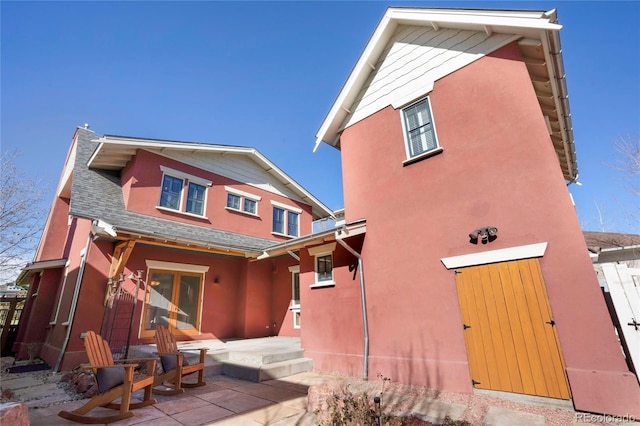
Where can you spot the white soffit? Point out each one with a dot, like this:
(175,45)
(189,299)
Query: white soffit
(114,152)
(523,23)
(495,256)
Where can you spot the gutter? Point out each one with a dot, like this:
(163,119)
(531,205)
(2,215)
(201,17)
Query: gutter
(365,322)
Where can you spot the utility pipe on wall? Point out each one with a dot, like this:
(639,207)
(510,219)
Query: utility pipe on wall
(74,302)
(365,322)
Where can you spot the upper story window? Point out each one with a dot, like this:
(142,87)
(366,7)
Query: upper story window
(420,134)
(286,219)
(242,201)
(171,192)
(195,199)
(183,192)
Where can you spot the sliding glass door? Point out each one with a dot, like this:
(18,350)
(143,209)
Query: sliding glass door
(173,299)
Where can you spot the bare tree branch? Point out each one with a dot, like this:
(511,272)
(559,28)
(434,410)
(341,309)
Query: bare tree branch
(628,156)
(21,216)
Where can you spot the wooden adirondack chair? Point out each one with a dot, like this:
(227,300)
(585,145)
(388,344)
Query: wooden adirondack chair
(175,365)
(114,381)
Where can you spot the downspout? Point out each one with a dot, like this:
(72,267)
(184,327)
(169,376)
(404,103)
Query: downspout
(365,322)
(74,302)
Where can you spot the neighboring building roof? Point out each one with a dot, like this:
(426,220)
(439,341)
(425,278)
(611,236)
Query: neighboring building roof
(537,36)
(113,153)
(97,194)
(597,241)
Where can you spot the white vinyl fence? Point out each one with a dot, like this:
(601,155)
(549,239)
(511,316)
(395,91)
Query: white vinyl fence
(624,288)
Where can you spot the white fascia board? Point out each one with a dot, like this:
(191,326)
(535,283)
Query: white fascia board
(356,79)
(450,18)
(506,21)
(495,256)
(67,172)
(319,209)
(182,146)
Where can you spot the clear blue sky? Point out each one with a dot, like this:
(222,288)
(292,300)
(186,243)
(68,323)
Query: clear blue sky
(264,74)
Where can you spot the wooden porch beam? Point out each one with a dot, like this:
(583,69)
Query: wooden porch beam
(119,258)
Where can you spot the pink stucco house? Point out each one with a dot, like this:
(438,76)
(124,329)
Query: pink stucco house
(461,264)
(458,261)
(176,226)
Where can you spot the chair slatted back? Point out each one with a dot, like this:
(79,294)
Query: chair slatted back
(165,341)
(98,349)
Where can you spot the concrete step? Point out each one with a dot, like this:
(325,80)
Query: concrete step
(253,358)
(273,370)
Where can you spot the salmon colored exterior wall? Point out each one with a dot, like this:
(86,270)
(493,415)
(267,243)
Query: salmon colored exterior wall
(142,178)
(498,168)
(52,245)
(332,332)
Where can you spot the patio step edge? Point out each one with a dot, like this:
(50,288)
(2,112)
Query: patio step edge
(260,373)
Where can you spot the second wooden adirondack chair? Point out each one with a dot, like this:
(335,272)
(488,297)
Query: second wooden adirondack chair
(175,365)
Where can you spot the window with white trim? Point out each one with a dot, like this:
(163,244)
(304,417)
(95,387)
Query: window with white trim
(171,195)
(323,265)
(241,201)
(183,192)
(295,295)
(419,130)
(195,199)
(286,219)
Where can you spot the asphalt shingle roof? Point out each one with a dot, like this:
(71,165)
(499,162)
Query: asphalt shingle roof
(97,194)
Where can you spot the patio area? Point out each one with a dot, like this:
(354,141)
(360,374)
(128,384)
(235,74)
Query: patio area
(289,399)
(223,401)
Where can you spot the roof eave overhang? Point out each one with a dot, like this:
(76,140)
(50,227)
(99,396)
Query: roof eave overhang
(34,267)
(348,230)
(181,243)
(114,152)
(153,238)
(527,24)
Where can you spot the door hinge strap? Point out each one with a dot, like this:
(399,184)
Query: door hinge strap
(473,382)
(465,326)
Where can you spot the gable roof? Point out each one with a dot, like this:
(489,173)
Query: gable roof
(113,153)
(537,35)
(96,194)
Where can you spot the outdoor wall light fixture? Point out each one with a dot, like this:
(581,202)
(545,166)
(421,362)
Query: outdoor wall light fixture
(216,280)
(485,235)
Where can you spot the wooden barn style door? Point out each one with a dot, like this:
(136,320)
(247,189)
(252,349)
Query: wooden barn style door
(512,343)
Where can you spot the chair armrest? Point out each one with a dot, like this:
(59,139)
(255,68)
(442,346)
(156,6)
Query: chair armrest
(115,366)
(130,360)
(151,364)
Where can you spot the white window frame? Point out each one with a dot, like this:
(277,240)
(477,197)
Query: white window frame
(287,209)
(405,132)
(186,179)
(321,251)
(243,197)
(295,306)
